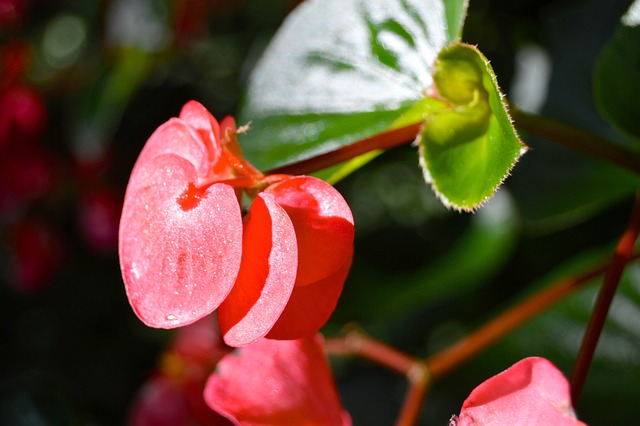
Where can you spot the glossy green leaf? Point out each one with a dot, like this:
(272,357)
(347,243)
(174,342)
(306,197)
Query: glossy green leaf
(468,144)
(617,75)
(342,70)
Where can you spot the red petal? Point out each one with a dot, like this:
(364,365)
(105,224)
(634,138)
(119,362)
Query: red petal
(197,116)
(310,307)
(267,274)
(200,342)
(323,223)
(178,264)
(175,137)
(531,392)
(276,383)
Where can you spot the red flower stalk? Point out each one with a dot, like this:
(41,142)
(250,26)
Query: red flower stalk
(186,249)
(532,392)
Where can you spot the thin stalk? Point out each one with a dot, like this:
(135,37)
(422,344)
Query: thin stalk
(384,140)
(416,372)
(359,344)
(555,131)
(419,384)
(578,140)
(453,356)
(421,374)
(622,254)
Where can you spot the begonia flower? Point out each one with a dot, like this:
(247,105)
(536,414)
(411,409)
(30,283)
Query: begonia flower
(186,249)
(276,383)
(532,392)
(173,396)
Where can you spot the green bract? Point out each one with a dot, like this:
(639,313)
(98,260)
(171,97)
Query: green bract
(468,144)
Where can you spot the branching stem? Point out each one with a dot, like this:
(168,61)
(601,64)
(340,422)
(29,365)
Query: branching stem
(622,254)
(359,344)
(384,140)
(578,140)
(421,373)
(555,131)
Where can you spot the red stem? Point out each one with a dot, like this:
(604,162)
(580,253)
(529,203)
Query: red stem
(422,373)
(622,254)
(453,356)
(544,127)
(419,383)
(357,343)
(384,140)
(576,139)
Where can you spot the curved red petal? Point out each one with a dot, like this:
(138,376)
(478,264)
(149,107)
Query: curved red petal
(194,113)
(267,274)
(323,223)
(178,263)
(198,117)
(310,306)
(174,137)
(276,383)
(531,392)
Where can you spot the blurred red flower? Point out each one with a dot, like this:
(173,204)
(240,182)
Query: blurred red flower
(37,250)
(173,396)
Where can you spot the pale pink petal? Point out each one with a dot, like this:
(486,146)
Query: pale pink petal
(277,383)
(179,247)
(533,392)
(267,274)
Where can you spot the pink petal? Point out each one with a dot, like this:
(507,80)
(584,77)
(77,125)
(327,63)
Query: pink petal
(276,383)
(267,274)
(197,116)
(310,307)
(323,224)
(200,118)
(200,342)
(531,392)
(180,247)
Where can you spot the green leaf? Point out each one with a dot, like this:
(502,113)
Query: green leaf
(468,144)
(617,75)
(342,70)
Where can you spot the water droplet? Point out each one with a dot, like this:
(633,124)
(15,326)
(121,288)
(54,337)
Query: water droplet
(171,317)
